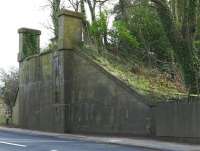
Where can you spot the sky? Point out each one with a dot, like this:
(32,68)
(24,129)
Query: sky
(15,14)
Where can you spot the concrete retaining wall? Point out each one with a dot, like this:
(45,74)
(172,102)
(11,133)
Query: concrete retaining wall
(178,119)
(100,103)
(40,88)
(66,92)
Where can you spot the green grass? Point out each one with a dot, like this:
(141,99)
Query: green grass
(145,83)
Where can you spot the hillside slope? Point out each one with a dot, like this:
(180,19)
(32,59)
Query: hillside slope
(146,81)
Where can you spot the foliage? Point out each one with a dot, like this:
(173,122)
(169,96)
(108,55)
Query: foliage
(182,40)
(121,33)
(99,27)
(146,25)
(98,30)
(30,45)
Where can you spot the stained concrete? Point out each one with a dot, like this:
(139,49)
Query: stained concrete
(29,42)
(99,103)
(178,119)
(65,92)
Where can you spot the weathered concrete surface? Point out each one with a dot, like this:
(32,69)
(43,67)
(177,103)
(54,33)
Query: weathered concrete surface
(178,119)
(100,103)
(40,93)
(16,112)
(65,92)
(70,30)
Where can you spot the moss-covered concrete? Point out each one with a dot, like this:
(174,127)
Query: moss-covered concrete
(29,42)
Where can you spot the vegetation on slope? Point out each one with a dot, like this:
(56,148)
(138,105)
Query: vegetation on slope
(143,80)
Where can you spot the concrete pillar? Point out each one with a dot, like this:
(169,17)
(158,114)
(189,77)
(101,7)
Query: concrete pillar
(29,43)
(70,30)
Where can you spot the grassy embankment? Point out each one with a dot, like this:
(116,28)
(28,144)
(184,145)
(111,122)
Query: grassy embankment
(144,80)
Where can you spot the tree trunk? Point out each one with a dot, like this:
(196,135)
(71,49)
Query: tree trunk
(55,6)
(85,34)
(92,7)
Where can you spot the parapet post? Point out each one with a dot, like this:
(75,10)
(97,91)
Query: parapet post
(29,43)
(70,30)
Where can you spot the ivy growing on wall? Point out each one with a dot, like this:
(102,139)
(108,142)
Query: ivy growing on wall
(30,45)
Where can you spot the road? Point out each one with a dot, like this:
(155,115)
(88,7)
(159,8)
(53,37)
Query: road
(12,141)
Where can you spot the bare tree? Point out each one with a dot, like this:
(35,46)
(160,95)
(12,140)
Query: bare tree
(55,10)
(93,5)
(75,4)
(9,88)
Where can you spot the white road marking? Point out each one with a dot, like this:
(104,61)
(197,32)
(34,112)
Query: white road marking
(34,141)
(13,144)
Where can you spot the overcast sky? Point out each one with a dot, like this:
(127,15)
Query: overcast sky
(15,14)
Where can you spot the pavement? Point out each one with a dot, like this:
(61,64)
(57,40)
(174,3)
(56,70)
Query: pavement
(13,139)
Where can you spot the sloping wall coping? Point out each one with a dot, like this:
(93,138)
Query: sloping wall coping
(120,83)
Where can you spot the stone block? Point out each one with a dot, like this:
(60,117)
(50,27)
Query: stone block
(70,30)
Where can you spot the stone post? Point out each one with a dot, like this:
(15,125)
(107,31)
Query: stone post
(29,43)
(70,30)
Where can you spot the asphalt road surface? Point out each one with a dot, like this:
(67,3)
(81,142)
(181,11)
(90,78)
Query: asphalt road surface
(11,141)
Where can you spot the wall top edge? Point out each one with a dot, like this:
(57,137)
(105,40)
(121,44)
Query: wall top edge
(65,12)
(29,30)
